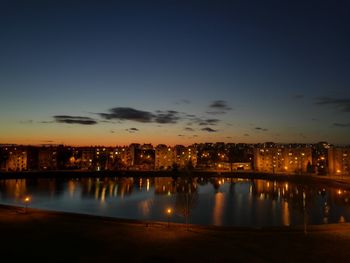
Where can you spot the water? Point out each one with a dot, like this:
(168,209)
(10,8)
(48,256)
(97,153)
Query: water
(207,201)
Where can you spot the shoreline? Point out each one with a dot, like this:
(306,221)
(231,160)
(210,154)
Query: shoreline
(42,236)
(164,224)
(334,181)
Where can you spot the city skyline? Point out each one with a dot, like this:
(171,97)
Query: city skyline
(174,72)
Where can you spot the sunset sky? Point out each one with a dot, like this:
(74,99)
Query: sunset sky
(174,72)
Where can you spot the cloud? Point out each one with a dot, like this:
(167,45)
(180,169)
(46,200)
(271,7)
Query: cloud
(131,114)
(160,117)
(218,107)
(208,129)
(132,130)
(261,129)
(74,120)
(169,116)
(220,104)
(209,122)
(341,125)
(45,122)
(246,134)
(200,121)
(342,105)
(121,113)
(181,135)
(188,129)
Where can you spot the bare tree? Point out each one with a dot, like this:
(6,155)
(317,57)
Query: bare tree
(186,198)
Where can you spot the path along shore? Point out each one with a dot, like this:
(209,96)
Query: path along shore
(42,236)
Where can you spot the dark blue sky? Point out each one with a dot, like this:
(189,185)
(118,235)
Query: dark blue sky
(115,72)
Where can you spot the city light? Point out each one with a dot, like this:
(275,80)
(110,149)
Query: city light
(26,200)
(169,212)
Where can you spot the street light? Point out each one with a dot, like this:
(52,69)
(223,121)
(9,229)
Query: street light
(26,202)
(169,211)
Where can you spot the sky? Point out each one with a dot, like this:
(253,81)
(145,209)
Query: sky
(174,72)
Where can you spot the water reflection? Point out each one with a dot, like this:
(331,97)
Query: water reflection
(186,197)
(218,210)
(218,201)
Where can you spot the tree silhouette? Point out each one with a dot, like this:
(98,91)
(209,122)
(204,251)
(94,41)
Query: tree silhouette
(186,198)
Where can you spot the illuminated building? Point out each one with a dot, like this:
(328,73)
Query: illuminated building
(339,161)
(33,158)
(165,157)
(320,157)
(101,158)
(142,156)
(48,158)
(288,160)
(206,156)
(14,158)
(185,157)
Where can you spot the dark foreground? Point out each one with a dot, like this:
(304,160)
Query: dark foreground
(39,236)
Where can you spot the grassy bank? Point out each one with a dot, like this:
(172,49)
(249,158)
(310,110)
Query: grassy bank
(40,236)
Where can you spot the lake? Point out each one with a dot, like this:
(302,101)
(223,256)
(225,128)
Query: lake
(206,201)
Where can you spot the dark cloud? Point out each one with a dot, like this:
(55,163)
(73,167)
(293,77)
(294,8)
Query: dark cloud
(208,122)
(202,121)
(188,129)
(166,117)
(246,134)
(342,105)
(132,130)
(121,113)
(130,114)
(45,122)
(112,131)
(218,107)
(220,104)
(74,120)
(208,129)
(341,125)
(181,135)
(261,129)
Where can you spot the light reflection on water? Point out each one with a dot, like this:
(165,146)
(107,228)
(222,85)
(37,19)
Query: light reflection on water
(211,201)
